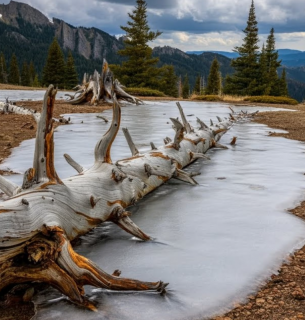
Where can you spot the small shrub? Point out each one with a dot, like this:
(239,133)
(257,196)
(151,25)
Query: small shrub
(144,92)
(230,98)
(208,98)
(271,99)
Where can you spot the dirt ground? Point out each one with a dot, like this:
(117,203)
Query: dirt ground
(15,128)
(281,298)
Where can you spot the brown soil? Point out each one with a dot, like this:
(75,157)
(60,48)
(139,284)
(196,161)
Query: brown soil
(17,310)
(15,128)
(281,298)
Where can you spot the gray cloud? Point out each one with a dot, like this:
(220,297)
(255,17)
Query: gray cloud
(192,17)
(153,4)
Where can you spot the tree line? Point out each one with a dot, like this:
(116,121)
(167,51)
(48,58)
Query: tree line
(255,72)
(57,71)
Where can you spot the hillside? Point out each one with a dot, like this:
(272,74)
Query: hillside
(191,64)
(290,58)
(22,26)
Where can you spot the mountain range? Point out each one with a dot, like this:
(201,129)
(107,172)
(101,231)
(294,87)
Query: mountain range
(28,33)
(289,58)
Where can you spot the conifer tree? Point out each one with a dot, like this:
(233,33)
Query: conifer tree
(168,81)
(283,84)
(140,68)
(197,85)
(14,75)
(185,88)
(263,88)
(272,64)
(35,82)
(25,75)
(245,80)
(32,72)
(214,79)
(54,70)
(71,74)
(3,69)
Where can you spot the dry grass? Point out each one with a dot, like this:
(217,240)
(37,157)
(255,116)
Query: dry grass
(225,98)
(5,86)
(229,98)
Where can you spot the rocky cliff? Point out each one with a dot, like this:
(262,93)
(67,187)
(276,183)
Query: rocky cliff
(14,11)
(89,43)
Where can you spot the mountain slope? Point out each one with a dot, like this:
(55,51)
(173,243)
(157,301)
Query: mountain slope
(14,11)
(191,64)
(290,58)
(28,33)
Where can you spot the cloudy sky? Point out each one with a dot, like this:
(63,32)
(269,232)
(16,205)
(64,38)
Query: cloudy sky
(188,24)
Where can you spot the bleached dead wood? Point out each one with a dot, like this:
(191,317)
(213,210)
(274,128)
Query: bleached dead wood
(8,107)
(40,218)
(100,87)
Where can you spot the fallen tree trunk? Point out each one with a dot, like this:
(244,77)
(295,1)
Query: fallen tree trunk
(8,107)
(40,218)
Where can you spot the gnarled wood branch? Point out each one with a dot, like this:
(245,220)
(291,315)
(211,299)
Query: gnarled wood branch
(101,87)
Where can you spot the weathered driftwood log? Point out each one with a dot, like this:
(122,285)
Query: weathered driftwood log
(8,107)
(100,87)
(40,218)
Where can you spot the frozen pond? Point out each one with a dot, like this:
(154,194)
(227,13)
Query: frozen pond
(19,95)
(214,243)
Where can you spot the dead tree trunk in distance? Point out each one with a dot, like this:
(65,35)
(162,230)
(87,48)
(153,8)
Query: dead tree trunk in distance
(100,87)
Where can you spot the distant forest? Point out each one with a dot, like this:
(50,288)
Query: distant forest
(30,44)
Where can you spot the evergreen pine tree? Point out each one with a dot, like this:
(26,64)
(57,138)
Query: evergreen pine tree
(168,81)
(185,88)
(35,82)
(3,69)
(140,68)
(272,64)
(54,70)
(71,74)
(180,85)
(214,79)
(197,85)
(283,84)
(14,77)
(32,73)
(263,88)
(25,75)
(245,79)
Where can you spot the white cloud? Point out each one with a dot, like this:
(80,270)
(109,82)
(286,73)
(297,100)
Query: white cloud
(224,41)
(206,41)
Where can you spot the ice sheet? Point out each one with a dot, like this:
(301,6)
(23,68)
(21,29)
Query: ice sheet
(214,243)
(19,95)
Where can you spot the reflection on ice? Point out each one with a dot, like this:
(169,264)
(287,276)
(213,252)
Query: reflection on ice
(214,243)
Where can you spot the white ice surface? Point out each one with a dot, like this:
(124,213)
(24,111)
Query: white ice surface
(19,95)
(215,242)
